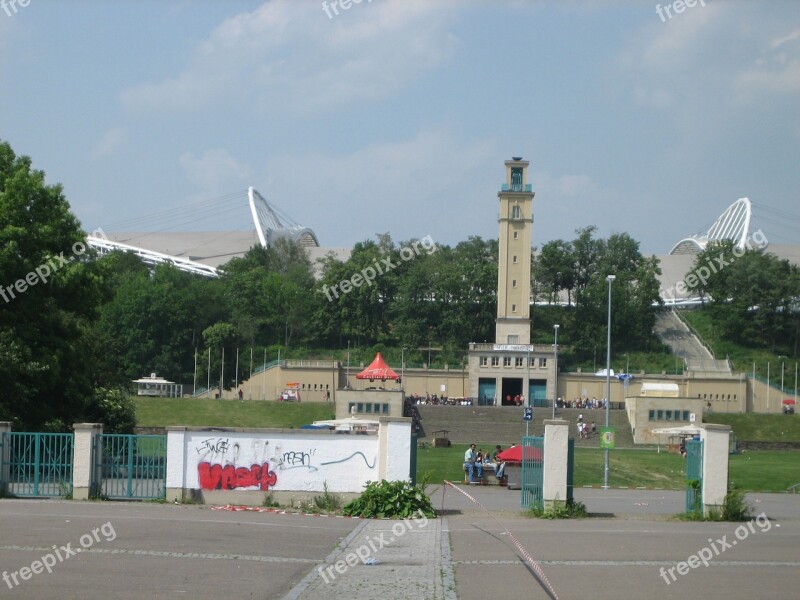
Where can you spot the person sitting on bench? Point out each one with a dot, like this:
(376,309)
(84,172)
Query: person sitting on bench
(470,464)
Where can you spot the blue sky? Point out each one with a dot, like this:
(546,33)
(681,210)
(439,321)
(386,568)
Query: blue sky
(396,115)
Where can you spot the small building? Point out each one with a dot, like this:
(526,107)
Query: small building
(659,405)
(158,386)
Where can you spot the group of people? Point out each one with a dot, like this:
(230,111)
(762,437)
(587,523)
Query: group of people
(581,402)
(474,459)
(584,429)
(430,399)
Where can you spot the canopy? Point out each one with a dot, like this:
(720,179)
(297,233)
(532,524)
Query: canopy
(790,401)
(378,370)
(515,454)
(685,430)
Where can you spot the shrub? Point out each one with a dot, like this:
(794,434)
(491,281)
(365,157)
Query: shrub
(559,510)
(391,499)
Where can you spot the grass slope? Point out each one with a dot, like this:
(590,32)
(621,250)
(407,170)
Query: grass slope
(163,412)
(761,428)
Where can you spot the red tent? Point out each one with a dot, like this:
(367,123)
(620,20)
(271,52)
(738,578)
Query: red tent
(515,454)
(378,370)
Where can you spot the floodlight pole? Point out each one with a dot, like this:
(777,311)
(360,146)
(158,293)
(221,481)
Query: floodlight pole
(609,279)
(555,384)
(403,368)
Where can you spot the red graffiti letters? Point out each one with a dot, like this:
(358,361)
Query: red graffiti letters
(217,477)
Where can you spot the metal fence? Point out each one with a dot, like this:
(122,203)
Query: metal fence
(694,475)
(532,471)
(131,467)
(36,464)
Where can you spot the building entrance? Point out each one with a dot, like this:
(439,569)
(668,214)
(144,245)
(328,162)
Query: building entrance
(512,387)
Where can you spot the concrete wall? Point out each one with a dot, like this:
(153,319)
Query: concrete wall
(242,465)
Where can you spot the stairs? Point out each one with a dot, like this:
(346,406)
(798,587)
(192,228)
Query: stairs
(491,425)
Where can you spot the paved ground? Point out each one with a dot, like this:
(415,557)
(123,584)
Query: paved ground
(683,342)
(166,551)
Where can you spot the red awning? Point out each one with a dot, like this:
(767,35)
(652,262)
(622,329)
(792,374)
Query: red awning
(378,370)
(515,454)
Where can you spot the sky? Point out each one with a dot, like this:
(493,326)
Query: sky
(396,115)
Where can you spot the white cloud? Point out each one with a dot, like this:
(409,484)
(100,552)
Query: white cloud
(288,54)
(215,170)
(776,72)
(112,140)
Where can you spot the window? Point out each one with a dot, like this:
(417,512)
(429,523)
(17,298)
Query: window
(385,409)
(542,363)
(516,213)
(685,415)
(350,408)
(514,259)
(513,308)
(516,235)
(360,407)
(518,361)
(484,361)
(369,407)
(506,361)
(532,362)
(495,361)
(659,415)
(669,415)
(734,397)
(513,283)
(651,415)
(513,339)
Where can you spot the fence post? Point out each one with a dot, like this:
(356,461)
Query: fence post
(84,473)
(556,455)
(5,455)
(715,465)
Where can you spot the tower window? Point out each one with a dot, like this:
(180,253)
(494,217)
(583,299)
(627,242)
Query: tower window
(514,260)
(516,213)
(513,339)
(513,283)
(513,308)
(516,235)
(516,179)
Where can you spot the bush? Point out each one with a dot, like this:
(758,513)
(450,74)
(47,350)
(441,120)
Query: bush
(391,499)
(327,502)
(734,507)
(115,409)
(560,510)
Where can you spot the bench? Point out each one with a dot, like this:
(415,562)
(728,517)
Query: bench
(488,469)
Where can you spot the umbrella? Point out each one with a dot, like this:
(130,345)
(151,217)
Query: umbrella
(515,454)
(790,401)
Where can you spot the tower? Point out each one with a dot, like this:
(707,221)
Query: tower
(513,324)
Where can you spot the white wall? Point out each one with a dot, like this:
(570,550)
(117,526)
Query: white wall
(286,460)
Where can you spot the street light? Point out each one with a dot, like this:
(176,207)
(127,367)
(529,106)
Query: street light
(555,385)
(609,279)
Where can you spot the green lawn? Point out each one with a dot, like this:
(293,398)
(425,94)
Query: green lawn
(163,412)
(757,471)
(762,428)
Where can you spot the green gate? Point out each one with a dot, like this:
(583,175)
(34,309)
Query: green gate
(532,471)
(694,475)
(570,468)
(131,467)
(36,464)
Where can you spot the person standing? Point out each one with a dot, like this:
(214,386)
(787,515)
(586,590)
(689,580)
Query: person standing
(470,462)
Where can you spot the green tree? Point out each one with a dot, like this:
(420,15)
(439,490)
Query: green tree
(50,295)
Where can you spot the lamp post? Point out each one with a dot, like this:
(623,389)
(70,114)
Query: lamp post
(555,379)
(609,279)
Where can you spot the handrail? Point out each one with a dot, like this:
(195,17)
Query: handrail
(793,488)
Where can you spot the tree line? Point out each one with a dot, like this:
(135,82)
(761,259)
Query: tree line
(68,346)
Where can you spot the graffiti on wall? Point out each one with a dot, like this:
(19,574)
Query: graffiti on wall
(231,464)
(218,468)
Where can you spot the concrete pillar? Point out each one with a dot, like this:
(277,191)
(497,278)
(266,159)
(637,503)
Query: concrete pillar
(715,465)
(394,449)
(176,463)
(84,469)
(5,454)
(556,450)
